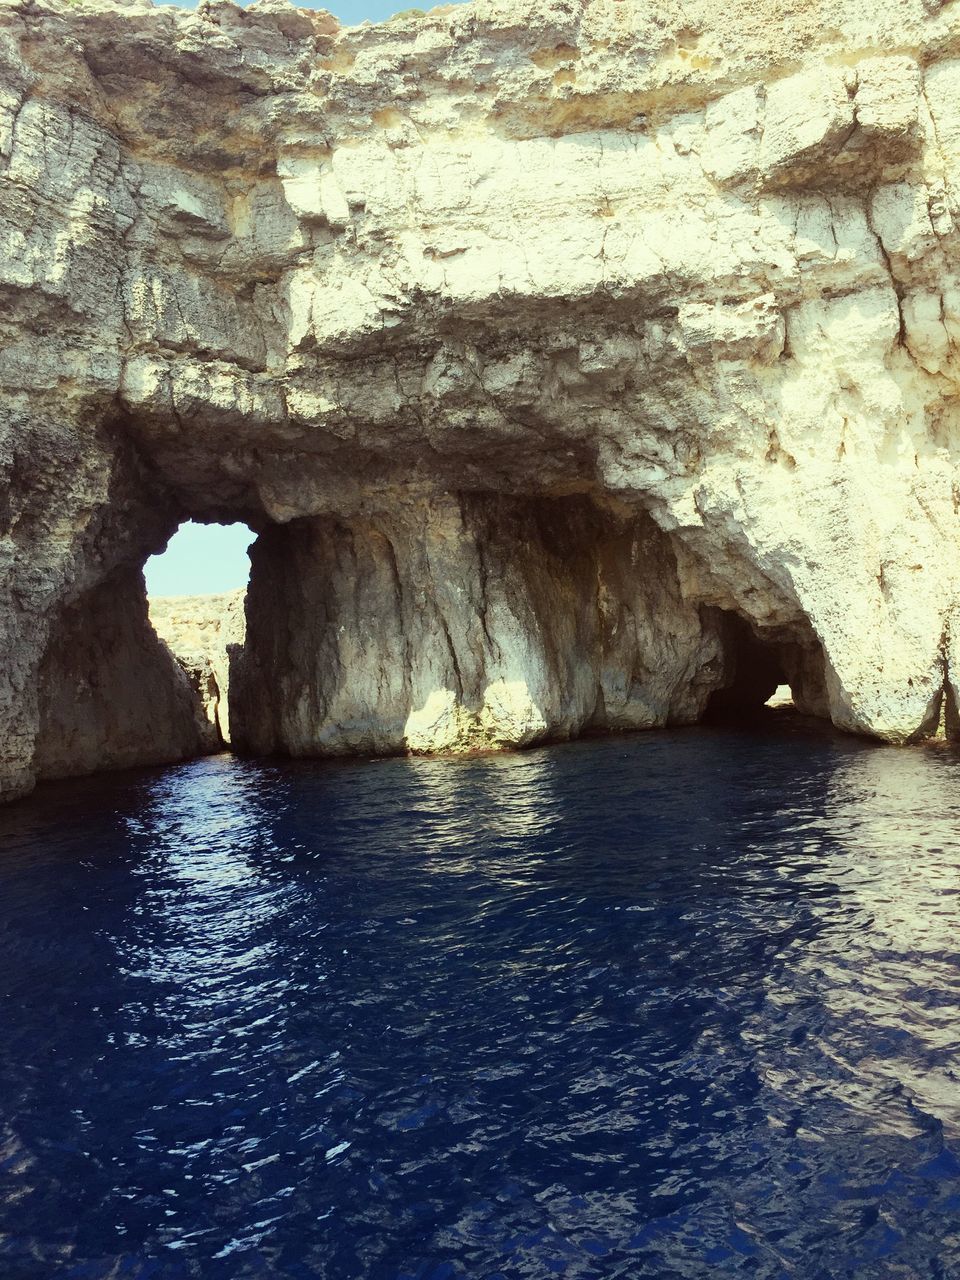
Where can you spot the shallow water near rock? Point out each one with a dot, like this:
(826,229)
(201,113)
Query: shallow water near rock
(649,1006)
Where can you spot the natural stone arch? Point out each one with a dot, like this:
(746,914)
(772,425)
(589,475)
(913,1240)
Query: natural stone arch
(456,623)
(649,287)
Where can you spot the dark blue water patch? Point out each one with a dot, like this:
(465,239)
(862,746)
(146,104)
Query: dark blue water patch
(659,1006)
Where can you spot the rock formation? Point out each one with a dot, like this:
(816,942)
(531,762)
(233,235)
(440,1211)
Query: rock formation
(199,631)
(564,355)
(477,621)
(111,694)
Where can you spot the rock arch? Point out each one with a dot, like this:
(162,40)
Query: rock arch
(536,345)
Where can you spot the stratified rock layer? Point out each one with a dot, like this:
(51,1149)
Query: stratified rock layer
(454,311)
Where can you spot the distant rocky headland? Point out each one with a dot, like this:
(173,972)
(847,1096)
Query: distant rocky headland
(579,366)
(202,633)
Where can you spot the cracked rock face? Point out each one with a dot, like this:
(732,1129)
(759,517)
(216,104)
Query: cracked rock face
(537,341)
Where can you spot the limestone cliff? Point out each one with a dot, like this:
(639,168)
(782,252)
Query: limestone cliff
(560,353)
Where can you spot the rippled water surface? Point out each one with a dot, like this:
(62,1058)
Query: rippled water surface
(661,1006)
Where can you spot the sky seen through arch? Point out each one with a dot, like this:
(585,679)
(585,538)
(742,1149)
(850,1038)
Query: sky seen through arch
(200,560)
(350,12)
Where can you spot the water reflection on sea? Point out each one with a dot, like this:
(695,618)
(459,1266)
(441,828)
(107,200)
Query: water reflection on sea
(651,1006)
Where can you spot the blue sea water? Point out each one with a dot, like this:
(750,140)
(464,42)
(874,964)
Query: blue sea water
(671,1005)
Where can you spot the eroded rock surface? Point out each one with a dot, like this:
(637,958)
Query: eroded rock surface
(111,694)
(398,291)
(469,624)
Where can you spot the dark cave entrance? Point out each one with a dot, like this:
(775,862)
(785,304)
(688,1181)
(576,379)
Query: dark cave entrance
(756,670)
(779,669)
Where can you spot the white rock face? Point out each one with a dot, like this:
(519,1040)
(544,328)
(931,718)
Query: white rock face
(467,625)
(663,267)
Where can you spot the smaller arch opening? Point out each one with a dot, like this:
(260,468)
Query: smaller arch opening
(781,699)
(196,589)
(767,673)
(755,671)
